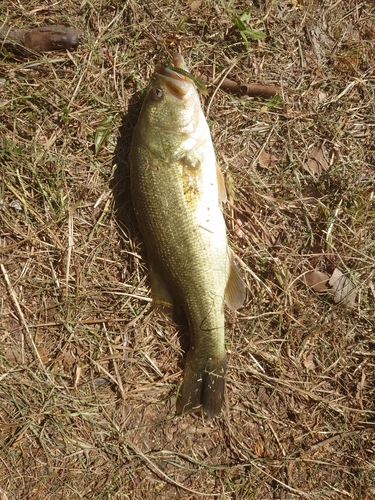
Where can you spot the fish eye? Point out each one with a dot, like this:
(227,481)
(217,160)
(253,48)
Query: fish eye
(157,93)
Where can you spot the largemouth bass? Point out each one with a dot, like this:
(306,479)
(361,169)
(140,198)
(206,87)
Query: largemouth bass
(177,191)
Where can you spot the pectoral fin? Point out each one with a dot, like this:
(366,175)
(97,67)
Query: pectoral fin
(235,291)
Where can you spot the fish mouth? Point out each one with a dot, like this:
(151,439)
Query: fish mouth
(177,83)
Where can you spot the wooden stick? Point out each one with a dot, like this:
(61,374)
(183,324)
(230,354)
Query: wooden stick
(250,89)
(259,90)
(37,40)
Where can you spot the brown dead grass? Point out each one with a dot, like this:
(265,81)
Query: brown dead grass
(89,374)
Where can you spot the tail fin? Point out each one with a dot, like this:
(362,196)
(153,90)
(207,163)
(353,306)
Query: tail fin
(203,387)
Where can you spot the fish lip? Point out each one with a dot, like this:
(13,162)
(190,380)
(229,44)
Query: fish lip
(178,62)
(179,85)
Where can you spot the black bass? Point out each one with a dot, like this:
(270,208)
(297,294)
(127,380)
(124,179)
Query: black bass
(177,191)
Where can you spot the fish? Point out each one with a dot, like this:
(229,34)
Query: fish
(177,191)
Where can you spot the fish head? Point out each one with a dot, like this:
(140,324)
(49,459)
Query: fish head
(172,101)
(178,85)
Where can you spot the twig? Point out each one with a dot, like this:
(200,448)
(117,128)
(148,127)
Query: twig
(284,485)
(250,89)
(69,253)
(156,470)
(115,365)
(277,439)
(257,363)
(336,437)
(259,90)
(220,82)
(21,316)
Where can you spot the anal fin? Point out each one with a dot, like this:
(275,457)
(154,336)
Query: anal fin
(162,299)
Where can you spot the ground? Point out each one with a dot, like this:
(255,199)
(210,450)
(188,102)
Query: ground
(89,373)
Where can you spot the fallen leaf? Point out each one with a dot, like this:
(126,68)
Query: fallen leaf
(317,161)
(308,361)
(3,495)
(317,280)
(350,61)
(15,204)
(310,194)
(100,381)
(258,448)
(322,96)
(194,4)
(68,360)
(266,160)
(43,353)
(343,288)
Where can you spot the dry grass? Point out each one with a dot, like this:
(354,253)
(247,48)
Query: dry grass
(88,373)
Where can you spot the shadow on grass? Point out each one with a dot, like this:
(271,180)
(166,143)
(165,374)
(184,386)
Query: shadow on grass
(120,185)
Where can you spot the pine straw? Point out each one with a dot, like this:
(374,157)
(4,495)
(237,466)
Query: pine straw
(89,375)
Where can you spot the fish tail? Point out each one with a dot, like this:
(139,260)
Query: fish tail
(203,387)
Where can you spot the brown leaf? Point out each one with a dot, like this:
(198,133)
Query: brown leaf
(69,360)
(343,288)
(317,280)
(308,361)
(266,160)
(43,353)
(317,161)
(311,195)
(194,4)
